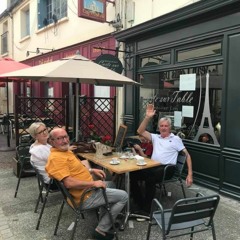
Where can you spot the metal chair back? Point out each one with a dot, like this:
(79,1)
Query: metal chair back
(186,214)
(42,187)
(23,158)
(78,208)
(175,171)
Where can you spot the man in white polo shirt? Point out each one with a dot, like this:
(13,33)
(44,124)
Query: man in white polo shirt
(166,148)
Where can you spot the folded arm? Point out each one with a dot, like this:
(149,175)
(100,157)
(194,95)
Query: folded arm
(70,182)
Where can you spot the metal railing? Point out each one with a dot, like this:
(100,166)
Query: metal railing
(97,116)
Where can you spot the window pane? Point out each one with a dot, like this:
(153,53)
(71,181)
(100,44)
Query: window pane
(155,60)
(209,50)
(50,11)
(25,22)
(205,102)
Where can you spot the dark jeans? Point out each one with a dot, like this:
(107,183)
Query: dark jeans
(150,176)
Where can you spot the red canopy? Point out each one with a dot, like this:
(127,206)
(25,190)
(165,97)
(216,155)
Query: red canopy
(8,65)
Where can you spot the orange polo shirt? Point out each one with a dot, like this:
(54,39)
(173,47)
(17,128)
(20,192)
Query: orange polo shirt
(65,164)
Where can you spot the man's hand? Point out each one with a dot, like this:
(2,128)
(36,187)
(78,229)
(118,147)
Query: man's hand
(189,180)
(72,147)
(99,184)
(150,112)
(99,173)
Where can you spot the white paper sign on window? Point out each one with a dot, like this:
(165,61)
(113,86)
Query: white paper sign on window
(50,92)
(177,119)
(187,111)
(187,82)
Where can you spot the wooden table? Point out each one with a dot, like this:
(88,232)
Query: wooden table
(126,166)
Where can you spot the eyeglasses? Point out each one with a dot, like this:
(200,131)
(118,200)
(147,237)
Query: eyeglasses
(43,131)
(61,138)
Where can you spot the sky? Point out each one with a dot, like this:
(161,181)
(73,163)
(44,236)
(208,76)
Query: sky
(2,6)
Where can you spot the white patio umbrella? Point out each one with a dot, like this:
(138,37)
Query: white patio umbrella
(76,69)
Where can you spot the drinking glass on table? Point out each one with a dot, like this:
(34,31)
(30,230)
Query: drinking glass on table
(119,151)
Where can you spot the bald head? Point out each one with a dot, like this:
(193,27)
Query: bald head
(59,139)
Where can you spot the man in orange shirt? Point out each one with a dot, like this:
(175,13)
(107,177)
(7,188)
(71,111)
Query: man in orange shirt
(64,166)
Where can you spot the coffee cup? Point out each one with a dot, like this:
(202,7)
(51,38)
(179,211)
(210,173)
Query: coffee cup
(114,160)
(140,160)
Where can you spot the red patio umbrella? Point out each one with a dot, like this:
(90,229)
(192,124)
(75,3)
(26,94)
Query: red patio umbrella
(8,65)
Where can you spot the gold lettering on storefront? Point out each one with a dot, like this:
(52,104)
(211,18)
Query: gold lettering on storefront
(187,98)
(46,60)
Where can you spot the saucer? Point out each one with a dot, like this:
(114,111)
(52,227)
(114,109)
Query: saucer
(142,164)
(123,157)
(114,163)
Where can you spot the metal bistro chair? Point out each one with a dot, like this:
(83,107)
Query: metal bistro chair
(43,187)
(185,215)
(6,125)
(23,157)
(177,176)
(77,209)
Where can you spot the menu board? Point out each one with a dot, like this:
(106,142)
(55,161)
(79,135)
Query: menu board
(120,136)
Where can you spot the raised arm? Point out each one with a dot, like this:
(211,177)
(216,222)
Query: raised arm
(150,112)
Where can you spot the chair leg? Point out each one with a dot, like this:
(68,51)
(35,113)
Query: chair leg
(40,187)
(161,188)
(165,191)
(59,216)
(75,226)
(43,206)
(149,230)
(39,198)
(213,232)
(183,190)
(191,235)
(110,214)
(19,179)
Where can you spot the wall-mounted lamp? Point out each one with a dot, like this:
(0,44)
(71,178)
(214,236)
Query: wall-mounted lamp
(28,52)
(117,23)
(38,49)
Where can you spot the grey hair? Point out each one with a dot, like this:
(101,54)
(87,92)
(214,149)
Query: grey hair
(165,119)
(33,128)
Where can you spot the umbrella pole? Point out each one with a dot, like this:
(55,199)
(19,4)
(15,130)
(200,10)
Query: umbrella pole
(8,133)
(77,109)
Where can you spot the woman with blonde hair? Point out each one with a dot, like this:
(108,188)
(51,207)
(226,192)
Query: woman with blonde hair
(40,149)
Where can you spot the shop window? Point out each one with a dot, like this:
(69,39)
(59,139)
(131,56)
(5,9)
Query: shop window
(50,11)
(25,22)
(190,97)
(101,92)
(159,59)
(199,52)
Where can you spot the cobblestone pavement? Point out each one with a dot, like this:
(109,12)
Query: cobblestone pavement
(18,220)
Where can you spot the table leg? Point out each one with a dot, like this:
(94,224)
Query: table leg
(128,214)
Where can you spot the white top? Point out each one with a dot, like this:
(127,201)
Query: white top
(39,156)
(165,150)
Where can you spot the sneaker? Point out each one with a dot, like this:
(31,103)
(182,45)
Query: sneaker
(142,212)
(141,219)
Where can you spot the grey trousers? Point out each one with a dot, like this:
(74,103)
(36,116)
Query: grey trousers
(117,199)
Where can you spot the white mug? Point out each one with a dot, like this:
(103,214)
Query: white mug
(140,160)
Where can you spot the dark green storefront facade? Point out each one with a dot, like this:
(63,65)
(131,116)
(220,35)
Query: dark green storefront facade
(201,40)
